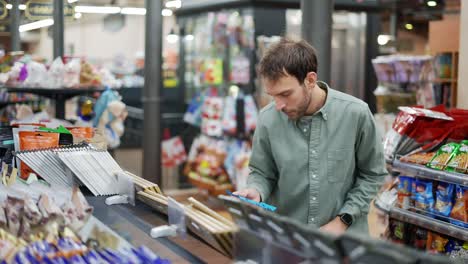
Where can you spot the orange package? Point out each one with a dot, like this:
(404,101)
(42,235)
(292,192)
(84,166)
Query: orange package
(86,133)
(35,140)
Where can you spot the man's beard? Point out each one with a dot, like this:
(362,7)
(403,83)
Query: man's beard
(301,109)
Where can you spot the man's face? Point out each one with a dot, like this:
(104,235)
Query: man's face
(290,96)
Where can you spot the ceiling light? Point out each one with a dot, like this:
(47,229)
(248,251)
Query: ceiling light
(9,6)
(409,26)
(189,37)
(78,15)
(383,39)
(22,7)
(133,11)
(98,9)
(166,12)
(431,3)
(35,25)
(72,1)
(174,4)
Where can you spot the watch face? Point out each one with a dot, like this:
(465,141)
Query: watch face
(347,219)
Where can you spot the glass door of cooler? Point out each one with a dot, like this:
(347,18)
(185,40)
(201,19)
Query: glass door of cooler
(217,51)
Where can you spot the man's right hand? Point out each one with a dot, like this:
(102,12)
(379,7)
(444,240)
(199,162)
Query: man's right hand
(249,193)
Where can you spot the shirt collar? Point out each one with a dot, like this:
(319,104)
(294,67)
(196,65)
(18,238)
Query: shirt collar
(325,108)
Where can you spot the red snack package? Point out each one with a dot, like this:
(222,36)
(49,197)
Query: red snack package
(35,140)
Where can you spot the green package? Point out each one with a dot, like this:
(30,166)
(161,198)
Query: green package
(443,156)
(459,162)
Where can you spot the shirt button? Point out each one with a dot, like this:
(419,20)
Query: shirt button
(313,152)
(314,198)
(312,219)
(305,130)
(314,176)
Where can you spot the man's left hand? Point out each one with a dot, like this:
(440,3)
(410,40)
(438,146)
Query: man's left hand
(335,227)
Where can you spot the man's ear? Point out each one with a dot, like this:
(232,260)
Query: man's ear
(311,79)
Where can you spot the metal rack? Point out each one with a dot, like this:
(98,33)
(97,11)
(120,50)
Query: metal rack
(58,95)
(419,219)
(429,223)
(265,237)
(420,171)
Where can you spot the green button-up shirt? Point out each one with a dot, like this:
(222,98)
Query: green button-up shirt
(319,166)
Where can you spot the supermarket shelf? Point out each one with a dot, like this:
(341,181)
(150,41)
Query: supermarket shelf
(6,103)
(429,223)
(445,80)
(134,223)
(424,172)
(53,93)
(59,95)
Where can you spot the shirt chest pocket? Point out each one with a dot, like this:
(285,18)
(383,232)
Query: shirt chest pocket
(338,164)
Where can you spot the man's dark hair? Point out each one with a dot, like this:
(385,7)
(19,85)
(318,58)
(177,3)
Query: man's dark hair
(288,57)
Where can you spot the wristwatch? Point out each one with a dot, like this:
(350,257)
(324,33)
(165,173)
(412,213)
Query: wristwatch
(347,219)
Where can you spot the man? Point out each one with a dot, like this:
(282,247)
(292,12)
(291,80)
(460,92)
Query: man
(316,154)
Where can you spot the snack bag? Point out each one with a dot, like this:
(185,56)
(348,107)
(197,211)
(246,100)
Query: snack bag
(436,243)
(420,238)
(404,192)
(398,232)
(418,158)
(35,140)
(459,212)
(193,114)
(424,199)
(453,245)
(173,152)
(443,156)
(212,114)
(459,162)
(444,198)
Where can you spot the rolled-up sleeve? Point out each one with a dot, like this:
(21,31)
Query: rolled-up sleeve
(263,173)
(370,167)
